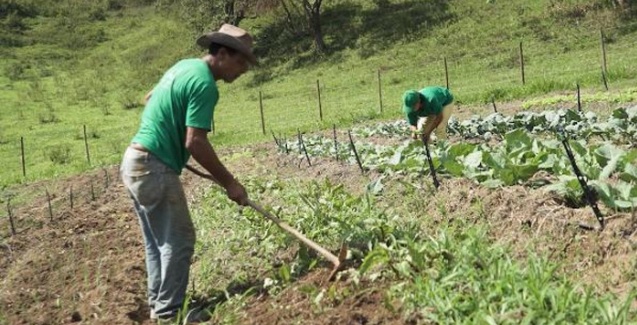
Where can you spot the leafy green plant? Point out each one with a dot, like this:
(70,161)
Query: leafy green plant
(621,125)
(451,274)
(515,160)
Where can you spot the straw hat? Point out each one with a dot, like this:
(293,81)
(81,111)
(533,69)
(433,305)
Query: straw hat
(231,36)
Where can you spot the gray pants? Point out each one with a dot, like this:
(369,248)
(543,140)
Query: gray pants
(169,235)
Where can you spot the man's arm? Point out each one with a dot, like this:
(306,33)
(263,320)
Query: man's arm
(201,150)
(414,131)
(412,120)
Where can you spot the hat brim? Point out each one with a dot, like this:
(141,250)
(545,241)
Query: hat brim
(229,41)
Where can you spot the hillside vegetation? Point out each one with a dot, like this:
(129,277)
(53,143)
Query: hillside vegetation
(72,63)
(525,216)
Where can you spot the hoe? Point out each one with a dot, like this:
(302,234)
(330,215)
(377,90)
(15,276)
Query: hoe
(336,260)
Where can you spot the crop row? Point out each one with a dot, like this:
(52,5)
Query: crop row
(517,159)
(620,126)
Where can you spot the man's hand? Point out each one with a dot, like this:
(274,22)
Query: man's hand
(237,193)
(414,132)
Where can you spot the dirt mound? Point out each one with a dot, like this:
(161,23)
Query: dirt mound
(362,308)
(86,264)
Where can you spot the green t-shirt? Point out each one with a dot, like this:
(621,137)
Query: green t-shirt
(434,99)
(184,97)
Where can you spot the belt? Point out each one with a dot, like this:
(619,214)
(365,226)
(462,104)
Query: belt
(138,147)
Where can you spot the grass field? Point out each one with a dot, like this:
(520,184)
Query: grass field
(49,101)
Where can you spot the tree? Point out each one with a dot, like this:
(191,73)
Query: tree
(626,8)
(202,15)
(313,15)
(311,22)
(236,10)
(623,4)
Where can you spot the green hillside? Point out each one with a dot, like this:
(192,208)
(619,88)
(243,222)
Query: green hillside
(501,224)
(77,63)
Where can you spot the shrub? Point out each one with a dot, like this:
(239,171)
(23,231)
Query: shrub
(60,154)
(48,117)
(15,71)
(260,77)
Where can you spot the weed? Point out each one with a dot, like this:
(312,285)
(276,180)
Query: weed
(48,117)
(60,154)
(15,71)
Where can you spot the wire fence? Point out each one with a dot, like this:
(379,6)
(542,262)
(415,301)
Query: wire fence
(316,104)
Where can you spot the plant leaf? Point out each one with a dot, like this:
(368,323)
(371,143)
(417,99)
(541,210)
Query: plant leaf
(473,160)
(607,157)
(629,174)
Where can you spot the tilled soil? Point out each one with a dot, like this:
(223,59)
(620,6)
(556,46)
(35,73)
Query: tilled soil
(87,265)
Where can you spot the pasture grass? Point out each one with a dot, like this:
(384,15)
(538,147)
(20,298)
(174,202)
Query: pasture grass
(51,89)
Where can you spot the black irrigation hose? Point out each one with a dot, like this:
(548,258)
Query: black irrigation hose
(589,194)
(276,141)
(353,147)
(335,143)
(431,163)
(307,156)
(591,197)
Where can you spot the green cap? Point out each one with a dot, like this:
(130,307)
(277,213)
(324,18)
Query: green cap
(410,98)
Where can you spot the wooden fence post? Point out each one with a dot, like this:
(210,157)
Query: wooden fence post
(48,200)
(92,191)
(106,178)
(261,110)
(603,49)
(320,106)
(446,73)
(24,167)
(522,64)
(579,101)
(604,67)
(380,93)
(605,81)
(13,232)
(88,156)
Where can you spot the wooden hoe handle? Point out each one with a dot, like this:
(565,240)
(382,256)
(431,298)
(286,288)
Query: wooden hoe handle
(296,234)
(335,260)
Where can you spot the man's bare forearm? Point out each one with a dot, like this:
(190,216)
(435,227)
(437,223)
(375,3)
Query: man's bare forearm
(202,151)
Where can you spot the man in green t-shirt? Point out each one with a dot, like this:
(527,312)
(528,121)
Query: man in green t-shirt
(174,126)
(427,110)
